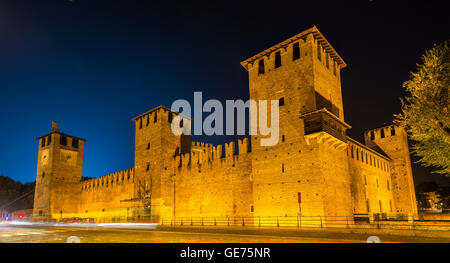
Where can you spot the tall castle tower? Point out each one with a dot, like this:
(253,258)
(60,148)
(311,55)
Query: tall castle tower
(59,172)
(393,141)
(303,70)
(303,73)
(155,149)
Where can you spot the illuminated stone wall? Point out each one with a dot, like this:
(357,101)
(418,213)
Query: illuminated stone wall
(302,175)
(394,142)
(206,185)
(108,196)
(372,186)
(59,171)
(314,171)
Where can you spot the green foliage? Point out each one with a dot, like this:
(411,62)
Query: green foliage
(425,112)
(11,190)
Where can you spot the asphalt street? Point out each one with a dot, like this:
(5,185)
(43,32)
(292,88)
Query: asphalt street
(156,234)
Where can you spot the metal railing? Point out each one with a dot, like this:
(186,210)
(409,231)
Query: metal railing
(357,221)
(287,222)
(305,222)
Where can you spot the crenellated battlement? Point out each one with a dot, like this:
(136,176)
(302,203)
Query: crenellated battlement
(109,180)
(382,132)
(392,140)
(155,116)
(321,48)
(201,146)
(150,116)
(204,154)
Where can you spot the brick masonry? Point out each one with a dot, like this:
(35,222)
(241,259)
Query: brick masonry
(314,170)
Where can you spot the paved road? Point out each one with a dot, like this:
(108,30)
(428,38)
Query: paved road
(105,234)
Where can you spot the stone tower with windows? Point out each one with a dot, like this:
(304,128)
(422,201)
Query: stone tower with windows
(393,141)
(155,150)
(303,73)
(59,172)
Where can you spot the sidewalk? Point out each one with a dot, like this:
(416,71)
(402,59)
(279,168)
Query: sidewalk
(363,234)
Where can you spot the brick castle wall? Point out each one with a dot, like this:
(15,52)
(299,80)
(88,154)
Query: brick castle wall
(315,170)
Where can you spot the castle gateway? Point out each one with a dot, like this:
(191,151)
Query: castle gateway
(315,171)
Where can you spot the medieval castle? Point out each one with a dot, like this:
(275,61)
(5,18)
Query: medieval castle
(314,170)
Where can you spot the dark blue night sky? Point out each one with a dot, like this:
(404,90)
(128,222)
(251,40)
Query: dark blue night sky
(93,65)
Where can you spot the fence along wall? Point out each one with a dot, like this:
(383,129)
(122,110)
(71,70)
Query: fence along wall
(107,196)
